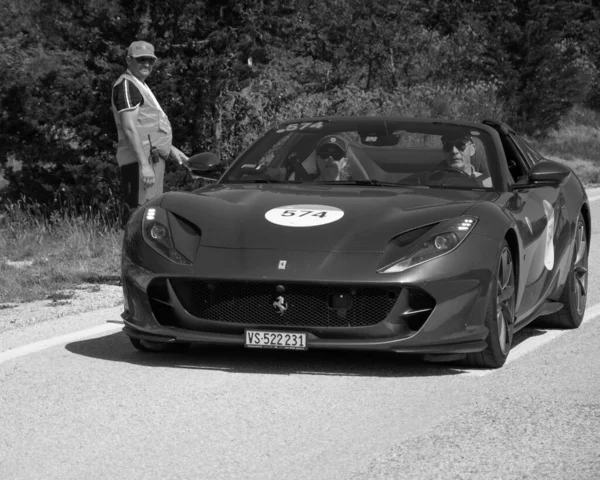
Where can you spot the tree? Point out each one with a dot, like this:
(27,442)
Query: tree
(536,50)
(229,69)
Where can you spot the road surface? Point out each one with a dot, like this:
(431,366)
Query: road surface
(77,401)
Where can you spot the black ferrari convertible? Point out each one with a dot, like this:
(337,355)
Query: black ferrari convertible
(430,237)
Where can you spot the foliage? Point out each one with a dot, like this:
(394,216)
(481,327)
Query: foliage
(577,137)
(229,69)
(546,69)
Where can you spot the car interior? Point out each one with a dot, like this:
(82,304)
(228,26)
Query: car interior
(375,160)
(370,157)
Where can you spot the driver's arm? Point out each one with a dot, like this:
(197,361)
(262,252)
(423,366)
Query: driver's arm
(486,181)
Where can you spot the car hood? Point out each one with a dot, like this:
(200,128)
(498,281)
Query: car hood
(314,217)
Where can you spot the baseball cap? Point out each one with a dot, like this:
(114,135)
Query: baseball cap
(141,49)
(457,137)
(333,146)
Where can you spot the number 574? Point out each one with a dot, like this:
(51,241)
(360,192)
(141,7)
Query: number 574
(303,213)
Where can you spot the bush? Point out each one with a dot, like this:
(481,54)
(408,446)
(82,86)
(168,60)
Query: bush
(577,136)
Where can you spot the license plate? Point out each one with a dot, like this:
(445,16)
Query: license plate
(282,340)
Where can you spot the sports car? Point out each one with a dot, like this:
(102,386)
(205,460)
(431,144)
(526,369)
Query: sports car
(418,236)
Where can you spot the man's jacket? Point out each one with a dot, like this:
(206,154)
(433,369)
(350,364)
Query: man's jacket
(152,124)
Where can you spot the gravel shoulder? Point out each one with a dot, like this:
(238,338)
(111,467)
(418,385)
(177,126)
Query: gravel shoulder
(81,299)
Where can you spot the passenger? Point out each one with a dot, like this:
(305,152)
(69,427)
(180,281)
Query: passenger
(332,159)
(328,163)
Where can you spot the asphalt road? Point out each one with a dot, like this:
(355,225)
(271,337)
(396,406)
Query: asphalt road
(77,401)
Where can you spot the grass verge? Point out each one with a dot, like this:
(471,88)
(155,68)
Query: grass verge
(576,142)
(39,258)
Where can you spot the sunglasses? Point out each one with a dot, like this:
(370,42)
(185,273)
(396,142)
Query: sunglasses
(462,146)
(335,154)
(148,60)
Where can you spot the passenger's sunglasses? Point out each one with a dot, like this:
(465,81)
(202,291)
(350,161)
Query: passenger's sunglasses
(335,154)
(462,146)
(145,60)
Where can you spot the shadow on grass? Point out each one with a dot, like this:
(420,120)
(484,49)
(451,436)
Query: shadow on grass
(103,279)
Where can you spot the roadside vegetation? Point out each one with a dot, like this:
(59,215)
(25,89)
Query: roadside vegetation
(41,257)
(575,142)
(228,70)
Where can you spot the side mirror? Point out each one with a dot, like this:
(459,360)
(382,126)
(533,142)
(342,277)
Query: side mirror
(548,172)
(205,165)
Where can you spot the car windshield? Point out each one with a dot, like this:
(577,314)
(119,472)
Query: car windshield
(369,152)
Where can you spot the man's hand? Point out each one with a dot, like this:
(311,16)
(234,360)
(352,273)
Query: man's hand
(334,169)
(178,155)
(148,175)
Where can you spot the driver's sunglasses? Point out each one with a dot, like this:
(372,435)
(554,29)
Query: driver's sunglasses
(146,60)
(462,146)
(336,155)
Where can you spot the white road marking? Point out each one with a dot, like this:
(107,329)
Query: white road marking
(525,347)
(533,343)
(51,342)
(594,198)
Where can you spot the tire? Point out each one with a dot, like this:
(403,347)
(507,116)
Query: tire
(574,294)
(158,347)
(500,315)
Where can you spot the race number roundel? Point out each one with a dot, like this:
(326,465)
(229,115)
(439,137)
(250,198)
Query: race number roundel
(304,215)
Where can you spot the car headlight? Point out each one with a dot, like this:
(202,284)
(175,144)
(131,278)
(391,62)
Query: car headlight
(157,234)
(439,240)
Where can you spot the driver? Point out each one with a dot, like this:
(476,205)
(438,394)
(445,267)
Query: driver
(458,152)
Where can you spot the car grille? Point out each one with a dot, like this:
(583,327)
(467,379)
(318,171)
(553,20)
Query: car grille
(306,305)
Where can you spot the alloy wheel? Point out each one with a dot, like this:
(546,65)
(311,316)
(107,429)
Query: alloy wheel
(580,271)
(505,301)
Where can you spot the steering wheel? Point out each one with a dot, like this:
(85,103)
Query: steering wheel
(451,170)
(443,175)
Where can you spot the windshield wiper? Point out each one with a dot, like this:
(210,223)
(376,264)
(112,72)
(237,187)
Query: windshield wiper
(372,182)
(460,187)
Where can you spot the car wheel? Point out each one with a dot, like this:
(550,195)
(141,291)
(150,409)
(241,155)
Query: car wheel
(500,315)
(158,347)
(574,295)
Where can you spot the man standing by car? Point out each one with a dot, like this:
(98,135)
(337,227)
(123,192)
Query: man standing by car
(144,131)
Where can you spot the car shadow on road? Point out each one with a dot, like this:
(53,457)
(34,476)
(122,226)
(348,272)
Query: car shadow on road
(525,334)
(117,348)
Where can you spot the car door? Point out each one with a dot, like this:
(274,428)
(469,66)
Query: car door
(539,212)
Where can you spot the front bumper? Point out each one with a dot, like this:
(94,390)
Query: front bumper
(430,311)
